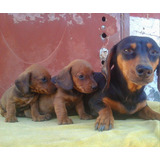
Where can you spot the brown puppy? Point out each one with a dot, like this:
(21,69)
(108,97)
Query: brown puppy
(72,82)
(24,93)
(128,68)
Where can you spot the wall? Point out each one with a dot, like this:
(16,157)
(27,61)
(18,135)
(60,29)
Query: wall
(54,40)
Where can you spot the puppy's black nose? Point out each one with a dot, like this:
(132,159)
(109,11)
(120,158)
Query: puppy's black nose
(94,87)
(53,80)
(144,71)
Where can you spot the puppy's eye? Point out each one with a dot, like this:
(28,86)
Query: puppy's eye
(128,51)
(153,52)
(81,77)
(44,79)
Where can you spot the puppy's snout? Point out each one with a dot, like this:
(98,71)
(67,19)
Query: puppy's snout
(144,71)
(94,87)
(53,79)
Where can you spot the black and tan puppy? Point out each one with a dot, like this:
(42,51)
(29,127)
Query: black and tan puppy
(128,68)
(73,81)
(23,95)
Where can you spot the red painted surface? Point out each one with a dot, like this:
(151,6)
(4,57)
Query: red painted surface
(52,40)
(146,15)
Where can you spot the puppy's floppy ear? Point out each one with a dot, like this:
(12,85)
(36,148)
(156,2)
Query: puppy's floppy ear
(23,82)
(108,65)
(158,74)
(64,79)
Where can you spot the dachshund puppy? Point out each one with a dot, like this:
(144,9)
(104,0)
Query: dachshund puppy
(23,95)
(72,82)
(128,68)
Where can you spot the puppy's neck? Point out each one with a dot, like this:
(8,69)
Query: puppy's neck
(133,87)
(20,94)
(121,87)
(119,91)
(73,92)
(126,83)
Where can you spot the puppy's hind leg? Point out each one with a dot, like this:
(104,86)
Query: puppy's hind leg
(35,113)
(2,111)
(11,113)
(148,114)
(81,112)
(61,112)
(27,113)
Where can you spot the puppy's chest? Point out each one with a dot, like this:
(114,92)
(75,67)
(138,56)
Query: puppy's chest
(126,107)
(20,102)
(72,97)
(71,100)
(122,100)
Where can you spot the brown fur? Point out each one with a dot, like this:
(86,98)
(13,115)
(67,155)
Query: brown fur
(147,113)
(35,80)
(72,82)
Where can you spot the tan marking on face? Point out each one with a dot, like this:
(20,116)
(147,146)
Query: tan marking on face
(133,45)
(127,67)
(149,45)
(155,64)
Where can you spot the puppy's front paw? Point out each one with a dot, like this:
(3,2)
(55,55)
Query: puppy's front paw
(65,120)
(39,118)
(11,119)
(104,123)
(85,116)
(48,116)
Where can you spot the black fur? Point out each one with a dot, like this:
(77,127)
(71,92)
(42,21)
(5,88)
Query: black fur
(93,101)
(117,90)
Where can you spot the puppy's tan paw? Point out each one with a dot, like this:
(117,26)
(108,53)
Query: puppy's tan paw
(39,118)
(104,123)
(65,120)
(48,116)
(11,119)
(85,116)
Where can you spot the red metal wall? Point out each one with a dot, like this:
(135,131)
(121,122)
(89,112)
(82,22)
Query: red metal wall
(52,40)
(146,15)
